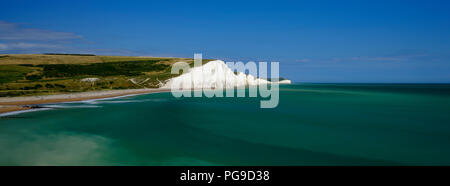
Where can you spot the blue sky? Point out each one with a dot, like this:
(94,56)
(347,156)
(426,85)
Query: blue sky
(314,41)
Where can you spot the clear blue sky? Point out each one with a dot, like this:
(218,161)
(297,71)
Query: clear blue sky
(314,41)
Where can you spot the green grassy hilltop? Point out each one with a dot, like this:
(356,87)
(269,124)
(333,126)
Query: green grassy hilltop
(36,74)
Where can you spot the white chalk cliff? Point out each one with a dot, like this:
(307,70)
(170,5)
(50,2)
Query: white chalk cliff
(215,74)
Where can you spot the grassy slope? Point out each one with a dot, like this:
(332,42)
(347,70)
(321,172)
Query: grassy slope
(34,74)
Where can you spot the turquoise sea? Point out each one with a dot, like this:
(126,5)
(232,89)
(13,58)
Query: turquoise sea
(314,124)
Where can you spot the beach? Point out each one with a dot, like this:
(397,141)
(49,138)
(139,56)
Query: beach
(11,104)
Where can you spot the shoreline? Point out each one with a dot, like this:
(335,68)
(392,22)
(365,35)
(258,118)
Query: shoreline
(14,104)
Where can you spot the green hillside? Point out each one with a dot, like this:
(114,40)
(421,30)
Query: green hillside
(35,74)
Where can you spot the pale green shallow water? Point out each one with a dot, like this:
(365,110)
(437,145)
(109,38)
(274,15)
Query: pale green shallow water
(314,124)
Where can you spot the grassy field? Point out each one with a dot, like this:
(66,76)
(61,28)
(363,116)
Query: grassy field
(35,74)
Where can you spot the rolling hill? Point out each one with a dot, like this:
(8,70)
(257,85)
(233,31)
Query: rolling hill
(39,74)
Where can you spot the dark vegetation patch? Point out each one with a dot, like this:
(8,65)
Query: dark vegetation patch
(129,68)
(9,73)
(26,65)
(33,77)
(48,85)
(37,86)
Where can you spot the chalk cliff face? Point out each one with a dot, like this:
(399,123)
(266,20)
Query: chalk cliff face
(215,74)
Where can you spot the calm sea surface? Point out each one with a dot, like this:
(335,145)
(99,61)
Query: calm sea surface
(314,124)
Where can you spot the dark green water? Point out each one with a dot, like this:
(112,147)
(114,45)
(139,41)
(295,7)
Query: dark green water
(314,124)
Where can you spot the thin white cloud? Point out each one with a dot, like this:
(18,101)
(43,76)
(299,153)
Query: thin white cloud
(15,38)
(25,46)
(3,46)
(15,32)
(377,58)
(392,58)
